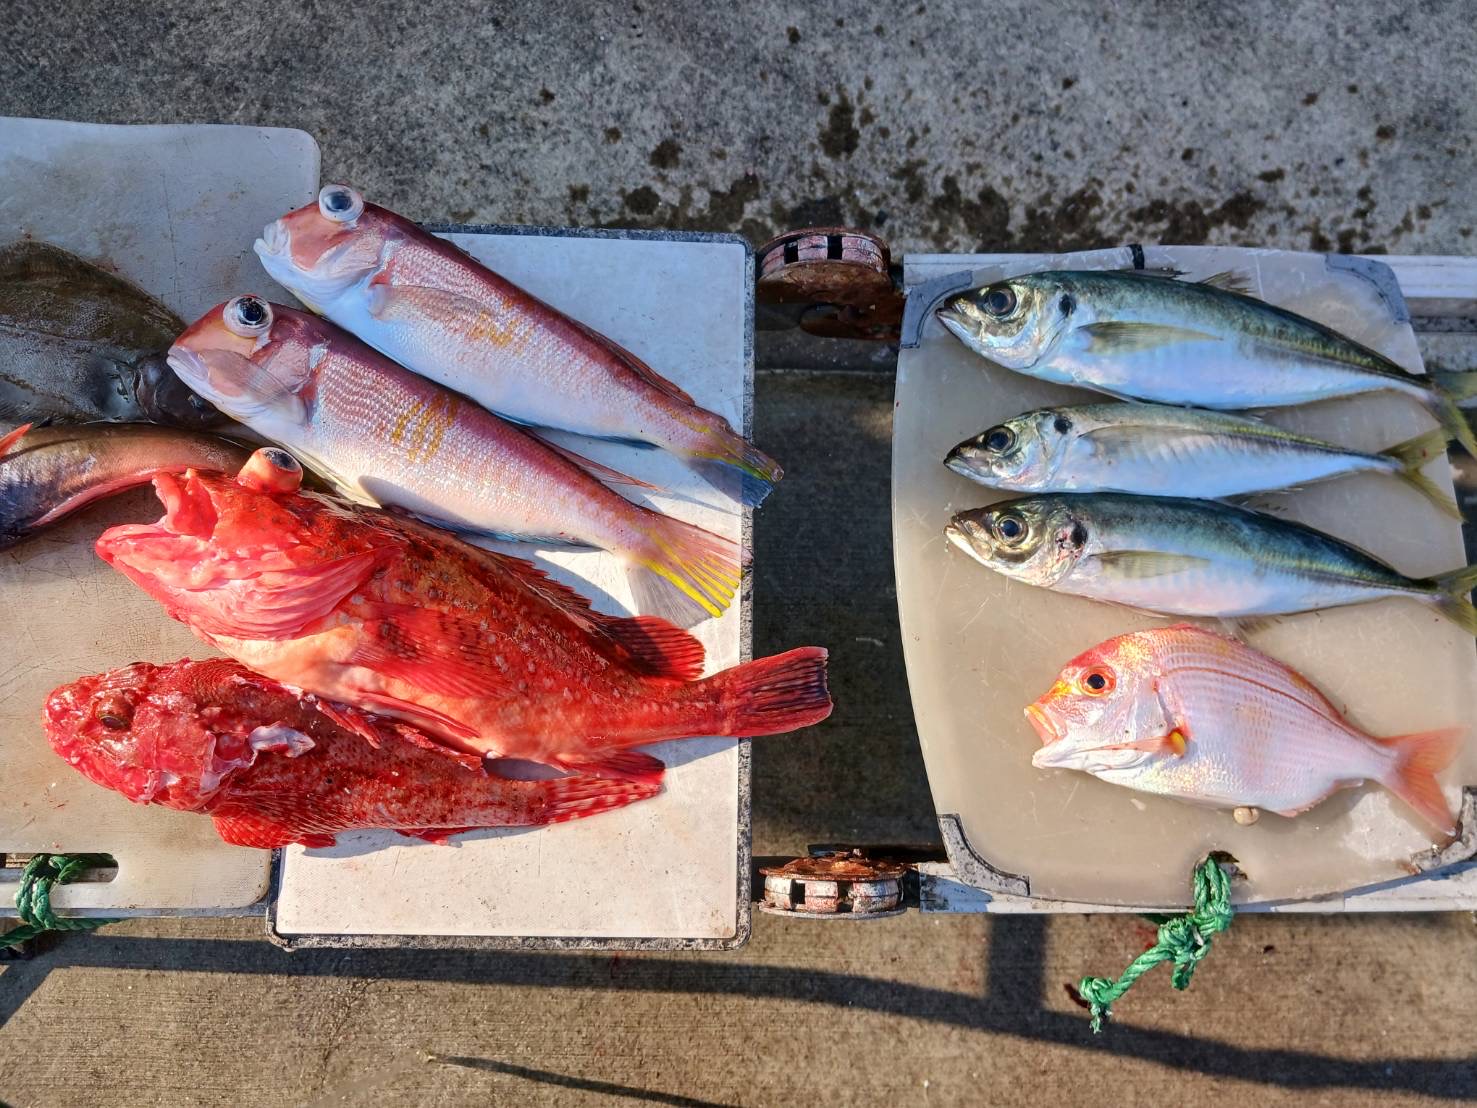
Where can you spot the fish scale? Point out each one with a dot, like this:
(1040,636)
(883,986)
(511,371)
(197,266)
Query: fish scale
(1185,713)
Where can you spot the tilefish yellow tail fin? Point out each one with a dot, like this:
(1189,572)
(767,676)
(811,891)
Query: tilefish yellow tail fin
(1413,454)
(735,466)
(683,573)
(1422,755)
(1448,391)
(1453,599)
(773,695)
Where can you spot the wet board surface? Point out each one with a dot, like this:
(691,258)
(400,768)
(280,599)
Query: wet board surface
(174,210)
(980,647)
(666,869)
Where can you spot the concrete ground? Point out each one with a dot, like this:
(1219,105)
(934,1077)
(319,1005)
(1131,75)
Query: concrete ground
(944,128)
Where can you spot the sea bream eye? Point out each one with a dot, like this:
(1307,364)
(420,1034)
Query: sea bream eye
(248,316)
(1000,300)
(1097,681)
(999,439)
(340,203)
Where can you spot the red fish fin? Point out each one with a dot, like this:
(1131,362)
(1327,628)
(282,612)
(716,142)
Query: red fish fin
(276,605)
(685,574)
(1173,743)
(8,441)
(437,835)
(633,363)
(649,645)
(593,468)
(575,797)
(655,647)
(261,831)
(627,765)
(1423,754)
(350,719)
(416,737)
(436,651)
(772,695)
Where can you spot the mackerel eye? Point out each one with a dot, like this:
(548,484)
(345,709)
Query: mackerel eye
(340,203)
(248,316)
(1097,682)
(999,439)
(1010,528)
(999,301)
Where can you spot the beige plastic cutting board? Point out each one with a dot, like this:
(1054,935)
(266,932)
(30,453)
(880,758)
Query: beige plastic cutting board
(175,210)
(980,647)
(664,869)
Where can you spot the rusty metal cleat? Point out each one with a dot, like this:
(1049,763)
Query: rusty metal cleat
(834,885)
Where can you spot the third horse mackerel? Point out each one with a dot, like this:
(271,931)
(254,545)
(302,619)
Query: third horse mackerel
(1182,342)
(438,311)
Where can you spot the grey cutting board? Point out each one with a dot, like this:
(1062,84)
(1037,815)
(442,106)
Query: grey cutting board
(979,647)
(175,210)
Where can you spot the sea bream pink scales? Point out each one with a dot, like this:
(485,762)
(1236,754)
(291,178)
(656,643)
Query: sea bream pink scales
(440,312)
(1186,713)
(387,437)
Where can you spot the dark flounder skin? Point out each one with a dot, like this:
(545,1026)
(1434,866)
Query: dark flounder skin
(78,345)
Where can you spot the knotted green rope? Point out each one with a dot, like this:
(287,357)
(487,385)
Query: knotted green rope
(33,897)
(1183,940)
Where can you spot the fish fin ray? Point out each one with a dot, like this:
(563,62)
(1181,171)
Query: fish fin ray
(1229,280)
(421,717)
(625,765)
(1135,565)
(1127,337)
(1444,398)
(575,797)
(684,573)
(1423,754)
(437,651)
(350,719)
(262,831)
(654,646)
(7,443)
(770,696)
(1412,455)
(736,467)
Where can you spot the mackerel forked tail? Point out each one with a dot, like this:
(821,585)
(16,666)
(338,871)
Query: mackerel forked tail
(1448,390)
(1412,455)
(683,573)
(735,466)
(1453,599)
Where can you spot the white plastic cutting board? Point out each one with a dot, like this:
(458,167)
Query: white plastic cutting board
(174,210)
(666,868)
(980,647)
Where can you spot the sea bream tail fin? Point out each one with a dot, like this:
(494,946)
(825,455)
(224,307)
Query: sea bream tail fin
(683,573)
(735,467)
(1453,597)
(769,696)
(1422,755)
(1412,456)
(1444,398)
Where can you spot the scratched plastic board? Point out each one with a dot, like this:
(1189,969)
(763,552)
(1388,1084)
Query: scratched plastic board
(666,869)
(980,647)
(175,210)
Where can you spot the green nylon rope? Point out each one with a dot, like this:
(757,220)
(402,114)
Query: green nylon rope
(1183,940)
(33,897)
